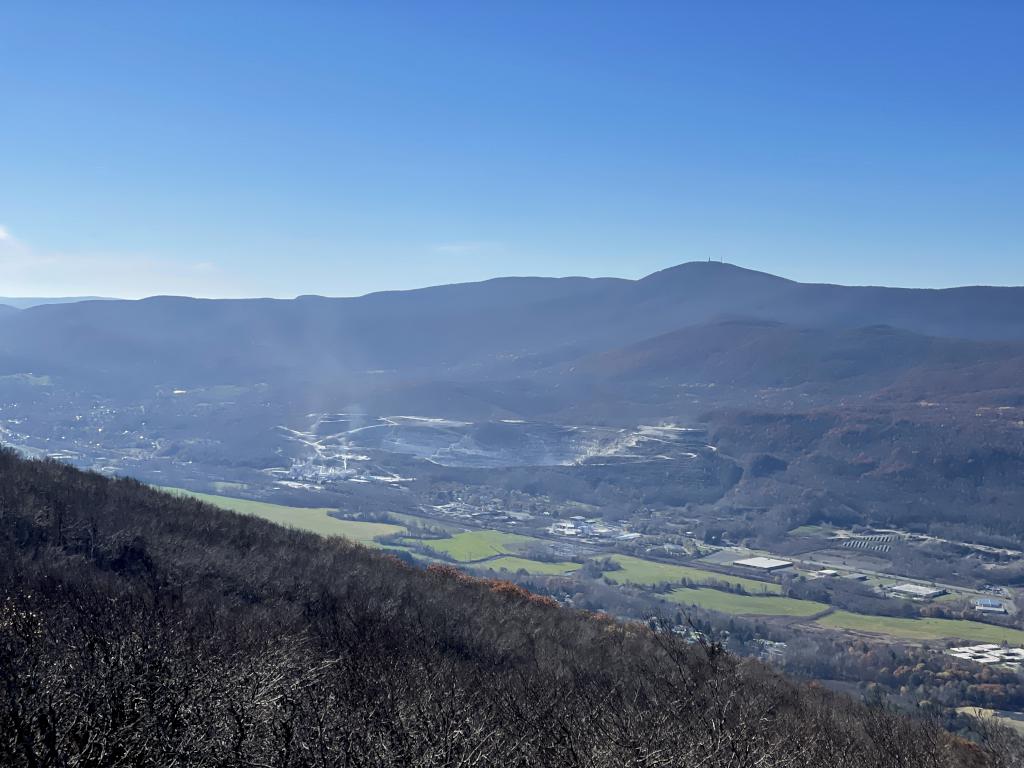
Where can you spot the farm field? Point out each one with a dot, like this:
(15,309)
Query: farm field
(313,519)
(922,629)
(749,605)
(648,573)
(513,564)
(477,545)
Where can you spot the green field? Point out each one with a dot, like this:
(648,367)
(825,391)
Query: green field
(649,573)
(312,519)
(749,605)
(513,564)
(923,629)
(476,545)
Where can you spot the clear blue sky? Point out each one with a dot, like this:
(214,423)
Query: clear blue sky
(259,148)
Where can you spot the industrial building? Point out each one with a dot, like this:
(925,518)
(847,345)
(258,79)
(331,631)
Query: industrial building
(764,563)
(989,653)
(989,605)
(916,591)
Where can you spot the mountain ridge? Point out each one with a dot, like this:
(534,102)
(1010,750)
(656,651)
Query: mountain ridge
(488,329)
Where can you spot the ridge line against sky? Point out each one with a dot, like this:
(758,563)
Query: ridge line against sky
(239,149)
(16,299)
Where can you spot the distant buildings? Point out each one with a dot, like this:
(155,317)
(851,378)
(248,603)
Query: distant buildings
(770,651)
(764,563)
(989,605)
(916,591)
(989,653)
(564,528)
(313,472)
(578,526)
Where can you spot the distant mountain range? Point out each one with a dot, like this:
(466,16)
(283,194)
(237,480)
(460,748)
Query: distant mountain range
(702,321)
(23,302)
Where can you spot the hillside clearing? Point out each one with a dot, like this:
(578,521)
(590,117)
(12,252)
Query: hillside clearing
(313,519)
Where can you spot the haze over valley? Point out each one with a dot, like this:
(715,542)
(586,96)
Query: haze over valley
(472,385)
(684,420)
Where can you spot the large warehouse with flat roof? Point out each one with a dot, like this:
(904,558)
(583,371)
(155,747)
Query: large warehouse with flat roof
(764,563)
(916,591)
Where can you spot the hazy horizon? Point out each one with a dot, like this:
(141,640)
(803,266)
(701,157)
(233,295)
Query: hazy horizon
(69,298)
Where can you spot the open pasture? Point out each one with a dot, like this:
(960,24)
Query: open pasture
(745,605)
(478,545)
(313,519)
(650,573)
(922,629)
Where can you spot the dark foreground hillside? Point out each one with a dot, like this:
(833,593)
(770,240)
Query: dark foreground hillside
(140,629)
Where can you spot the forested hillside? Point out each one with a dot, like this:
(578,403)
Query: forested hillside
(137,628)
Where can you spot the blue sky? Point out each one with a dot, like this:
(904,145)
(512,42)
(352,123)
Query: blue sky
(256,148)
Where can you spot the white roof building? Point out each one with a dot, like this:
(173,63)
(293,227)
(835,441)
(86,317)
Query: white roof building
(764,563)
(917,591)
(988,653)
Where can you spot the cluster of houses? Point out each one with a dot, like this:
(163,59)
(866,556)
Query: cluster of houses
(490,513)
(581,527)
(989,653)
(318,473)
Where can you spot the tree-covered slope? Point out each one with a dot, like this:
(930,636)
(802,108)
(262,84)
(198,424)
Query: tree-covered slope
(138,628)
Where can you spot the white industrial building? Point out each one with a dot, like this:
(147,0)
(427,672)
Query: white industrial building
(989,605)
(764,563)
(988,653)
(916,591)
